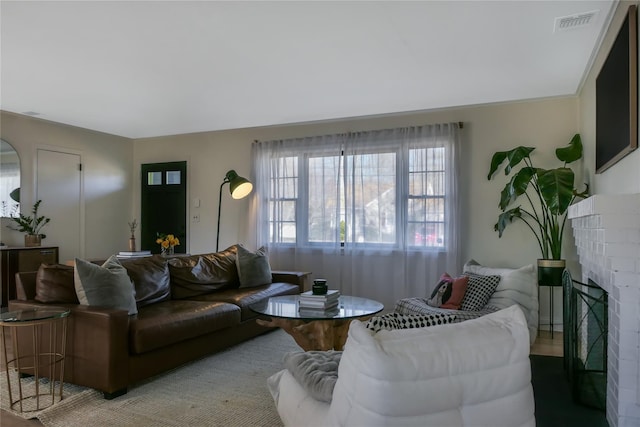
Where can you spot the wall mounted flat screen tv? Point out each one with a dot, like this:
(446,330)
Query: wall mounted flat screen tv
(617,97)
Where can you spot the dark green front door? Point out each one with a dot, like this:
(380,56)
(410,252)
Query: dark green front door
(163,204)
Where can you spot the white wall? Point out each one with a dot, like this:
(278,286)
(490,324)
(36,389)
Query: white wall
(545,124)
(112,178)
(107,170)
(624,176)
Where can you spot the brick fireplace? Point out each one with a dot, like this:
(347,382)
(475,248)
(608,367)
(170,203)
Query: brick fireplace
(607,234)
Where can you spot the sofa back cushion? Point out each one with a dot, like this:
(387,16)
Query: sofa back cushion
(516,286)
(471,373)
(201,274)
(54,284)
(151,279)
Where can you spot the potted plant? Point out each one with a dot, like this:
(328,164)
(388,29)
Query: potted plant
(547,194)
(31,225)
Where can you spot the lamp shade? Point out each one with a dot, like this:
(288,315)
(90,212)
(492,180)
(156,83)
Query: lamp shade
(238,186)
(15,194)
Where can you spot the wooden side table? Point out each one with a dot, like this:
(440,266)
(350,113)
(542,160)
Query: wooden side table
(45,333)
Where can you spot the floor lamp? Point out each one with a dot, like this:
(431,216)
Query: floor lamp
(239,187)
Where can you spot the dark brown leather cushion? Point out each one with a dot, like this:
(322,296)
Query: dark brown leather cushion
(244,297)
(200,274)
(54,284)
(169,322)
(150,276)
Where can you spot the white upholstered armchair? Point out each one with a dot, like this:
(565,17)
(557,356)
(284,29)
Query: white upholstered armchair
(474,373)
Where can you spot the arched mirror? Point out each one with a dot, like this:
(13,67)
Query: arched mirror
(9,180)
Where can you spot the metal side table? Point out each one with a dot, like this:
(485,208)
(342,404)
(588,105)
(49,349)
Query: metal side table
(38,339)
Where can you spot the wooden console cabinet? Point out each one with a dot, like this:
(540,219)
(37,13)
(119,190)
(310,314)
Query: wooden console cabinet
(19,259)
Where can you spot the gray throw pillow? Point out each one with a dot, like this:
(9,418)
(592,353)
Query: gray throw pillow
(315,371)
(253,268)
(107,285)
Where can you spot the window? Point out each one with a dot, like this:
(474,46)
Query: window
(371,193)
(154,178)
(173,177)
(283,200)
(426,197)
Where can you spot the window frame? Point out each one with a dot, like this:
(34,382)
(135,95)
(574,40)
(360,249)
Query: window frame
(402,197)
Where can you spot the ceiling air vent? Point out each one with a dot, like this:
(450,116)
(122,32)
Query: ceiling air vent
(570,22)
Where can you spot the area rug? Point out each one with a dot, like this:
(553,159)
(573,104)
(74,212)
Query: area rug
(30,405)
(226,389)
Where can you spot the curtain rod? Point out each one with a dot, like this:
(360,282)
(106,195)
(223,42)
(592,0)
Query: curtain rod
(460,124)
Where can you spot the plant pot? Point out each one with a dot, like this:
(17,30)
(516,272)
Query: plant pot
(550,272)
(31,240)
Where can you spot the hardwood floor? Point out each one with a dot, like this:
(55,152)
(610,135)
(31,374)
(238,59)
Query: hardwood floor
(544,345)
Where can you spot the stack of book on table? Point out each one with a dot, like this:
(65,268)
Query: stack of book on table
(133,254)
(327,302)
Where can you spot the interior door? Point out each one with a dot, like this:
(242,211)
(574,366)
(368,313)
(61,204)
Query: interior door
(59,186)
(164,204)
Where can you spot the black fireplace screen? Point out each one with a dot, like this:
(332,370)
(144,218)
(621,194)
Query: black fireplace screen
(586,342)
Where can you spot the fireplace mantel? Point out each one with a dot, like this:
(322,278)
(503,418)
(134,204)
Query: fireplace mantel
(607,235)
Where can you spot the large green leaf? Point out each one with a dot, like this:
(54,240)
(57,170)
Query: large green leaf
(516,187)
(556,188)
(571,153)
(514,157)
(505,218)
(496,161)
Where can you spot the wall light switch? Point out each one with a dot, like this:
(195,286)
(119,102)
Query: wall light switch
(196,203)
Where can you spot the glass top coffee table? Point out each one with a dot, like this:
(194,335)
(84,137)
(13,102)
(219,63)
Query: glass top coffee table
(315,329)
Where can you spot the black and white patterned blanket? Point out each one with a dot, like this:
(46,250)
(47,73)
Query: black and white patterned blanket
(413,306)
(391,321)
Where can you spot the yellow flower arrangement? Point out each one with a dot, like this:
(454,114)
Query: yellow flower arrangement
(167,241)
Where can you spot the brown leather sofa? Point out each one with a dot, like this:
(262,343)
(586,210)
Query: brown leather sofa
(188,307)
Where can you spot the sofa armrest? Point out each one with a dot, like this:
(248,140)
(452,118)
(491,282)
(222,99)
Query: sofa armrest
(26,285)
(299,278)
(97,345)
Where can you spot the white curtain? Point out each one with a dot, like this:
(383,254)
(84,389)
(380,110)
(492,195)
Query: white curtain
(343,207)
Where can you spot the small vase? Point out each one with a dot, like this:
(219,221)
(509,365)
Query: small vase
(132,244)
(168,251)
(31,240)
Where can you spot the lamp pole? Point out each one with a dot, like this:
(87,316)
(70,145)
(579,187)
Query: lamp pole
(240,187)
(226,180)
